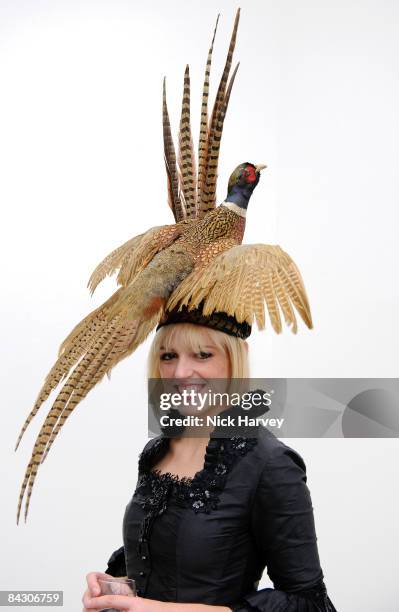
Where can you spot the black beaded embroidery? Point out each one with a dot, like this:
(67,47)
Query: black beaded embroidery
(200,492)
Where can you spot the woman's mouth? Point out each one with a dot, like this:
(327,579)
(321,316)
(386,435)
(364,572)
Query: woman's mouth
(188,387)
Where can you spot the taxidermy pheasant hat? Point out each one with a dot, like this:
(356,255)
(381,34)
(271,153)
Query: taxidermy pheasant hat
(196,264)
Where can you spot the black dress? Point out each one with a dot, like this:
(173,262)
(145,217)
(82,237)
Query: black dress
(207,539)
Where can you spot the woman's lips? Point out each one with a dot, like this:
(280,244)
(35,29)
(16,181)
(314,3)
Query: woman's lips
(189,387)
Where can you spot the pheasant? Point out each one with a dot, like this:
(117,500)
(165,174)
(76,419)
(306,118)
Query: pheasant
(199,259)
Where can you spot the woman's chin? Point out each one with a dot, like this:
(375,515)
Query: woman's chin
(193,410)
(197,410)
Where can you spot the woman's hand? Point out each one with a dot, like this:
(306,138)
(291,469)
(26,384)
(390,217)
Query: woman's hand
(92,601)
(92,598)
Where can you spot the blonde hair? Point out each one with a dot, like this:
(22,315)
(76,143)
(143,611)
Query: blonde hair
(188,332)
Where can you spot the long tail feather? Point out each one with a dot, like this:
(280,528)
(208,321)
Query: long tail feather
(186,152)
(213,157)
(55,412)
(202,146)
(115,344)
(71,350)
(170,163)
(87,374)
(208,192)
(113,351)
(128,339)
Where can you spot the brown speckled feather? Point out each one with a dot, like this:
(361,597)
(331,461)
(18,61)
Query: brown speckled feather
(203,138)
(174,199)
(208,191)
(116,342)
(241,280)
(71,350)
(186,153)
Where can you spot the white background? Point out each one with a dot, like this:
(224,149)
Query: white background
(316,98)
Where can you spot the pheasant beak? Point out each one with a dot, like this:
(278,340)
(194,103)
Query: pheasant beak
(260,167)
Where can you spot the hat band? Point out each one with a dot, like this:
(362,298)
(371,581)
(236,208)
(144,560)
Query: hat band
(220,321)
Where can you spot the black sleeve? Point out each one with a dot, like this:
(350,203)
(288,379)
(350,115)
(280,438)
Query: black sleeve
(117,564)
(284,531)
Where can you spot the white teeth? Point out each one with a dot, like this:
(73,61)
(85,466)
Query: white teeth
(189,388)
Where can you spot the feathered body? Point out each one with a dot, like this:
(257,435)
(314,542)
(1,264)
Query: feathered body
(195,245)
(199,259)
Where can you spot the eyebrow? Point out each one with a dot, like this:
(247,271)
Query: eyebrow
(162,348)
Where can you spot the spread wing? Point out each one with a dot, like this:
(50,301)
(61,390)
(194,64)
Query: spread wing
(242,280)
(135,254)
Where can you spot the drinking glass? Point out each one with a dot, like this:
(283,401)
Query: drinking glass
(117,586)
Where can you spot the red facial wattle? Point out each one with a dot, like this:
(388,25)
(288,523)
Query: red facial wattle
(250,174)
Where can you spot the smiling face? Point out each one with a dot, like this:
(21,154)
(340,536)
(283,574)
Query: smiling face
(186,352)
(189,358)
(190,362)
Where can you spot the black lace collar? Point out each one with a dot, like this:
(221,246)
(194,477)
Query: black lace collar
(201,491)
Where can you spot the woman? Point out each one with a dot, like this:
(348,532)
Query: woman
(209,514)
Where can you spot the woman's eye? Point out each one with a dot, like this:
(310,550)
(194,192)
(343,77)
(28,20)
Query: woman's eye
(204,355)
(167,356)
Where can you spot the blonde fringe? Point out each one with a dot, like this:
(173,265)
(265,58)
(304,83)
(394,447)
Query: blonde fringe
(190,335)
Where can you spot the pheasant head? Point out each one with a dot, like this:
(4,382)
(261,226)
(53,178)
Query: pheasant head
(242,183)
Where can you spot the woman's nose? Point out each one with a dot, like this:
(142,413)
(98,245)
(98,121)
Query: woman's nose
(184,368)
